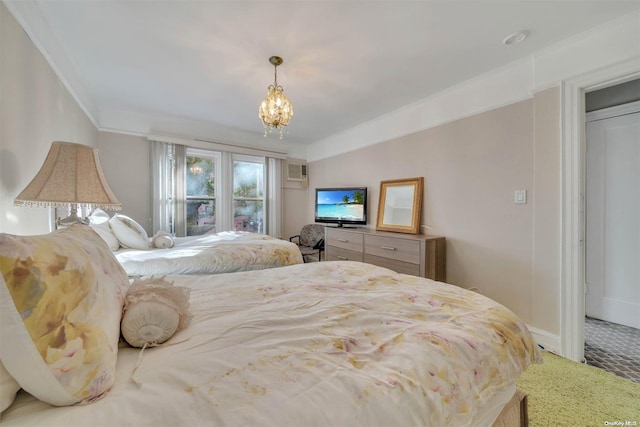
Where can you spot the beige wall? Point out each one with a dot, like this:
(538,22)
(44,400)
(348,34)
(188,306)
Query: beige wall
(35,110)
(547,212)
(125,161)
(472,166)
(295,211)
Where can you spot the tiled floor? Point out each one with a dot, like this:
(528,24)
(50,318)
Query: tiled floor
(612,347)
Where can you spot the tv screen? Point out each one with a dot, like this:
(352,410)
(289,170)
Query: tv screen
(341,205)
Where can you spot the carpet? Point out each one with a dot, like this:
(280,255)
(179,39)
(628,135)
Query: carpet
(566,393)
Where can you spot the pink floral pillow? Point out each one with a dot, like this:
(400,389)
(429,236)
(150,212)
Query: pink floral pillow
(61,298)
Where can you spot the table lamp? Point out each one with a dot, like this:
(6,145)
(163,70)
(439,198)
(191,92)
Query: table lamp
(71,176)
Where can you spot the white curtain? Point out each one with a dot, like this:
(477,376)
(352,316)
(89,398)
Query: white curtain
(274,197)
(180,188)
(163,195)
(224,201)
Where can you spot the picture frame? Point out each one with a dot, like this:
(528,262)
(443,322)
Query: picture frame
(400,205)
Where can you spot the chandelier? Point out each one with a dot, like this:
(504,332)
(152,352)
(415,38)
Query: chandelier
(276,110)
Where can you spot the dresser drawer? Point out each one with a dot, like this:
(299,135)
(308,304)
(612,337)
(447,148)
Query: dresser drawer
(334,253)
(419,255)
(344,239)
(393,264)
(389,247)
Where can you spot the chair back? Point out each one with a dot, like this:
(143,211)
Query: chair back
(311,234)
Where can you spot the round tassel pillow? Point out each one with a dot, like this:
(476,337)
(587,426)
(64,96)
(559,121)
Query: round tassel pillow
(154,310)
(149,322)
(162,240)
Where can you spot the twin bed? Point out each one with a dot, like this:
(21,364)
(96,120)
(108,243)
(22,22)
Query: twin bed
(224,252)
(319,344)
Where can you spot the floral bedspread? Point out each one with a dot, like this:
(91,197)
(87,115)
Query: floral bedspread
(320,344)
(224,252)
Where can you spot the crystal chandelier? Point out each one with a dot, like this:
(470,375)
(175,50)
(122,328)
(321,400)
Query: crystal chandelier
(276,110)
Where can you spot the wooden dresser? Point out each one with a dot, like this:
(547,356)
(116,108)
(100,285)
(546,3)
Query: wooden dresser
(419,255)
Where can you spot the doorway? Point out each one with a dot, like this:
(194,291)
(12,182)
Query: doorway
(612,230)
(612,209)
(572,288)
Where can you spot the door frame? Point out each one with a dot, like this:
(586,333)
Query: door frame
(572,297)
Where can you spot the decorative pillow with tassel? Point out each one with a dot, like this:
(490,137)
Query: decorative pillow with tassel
(162,240)
(154,311)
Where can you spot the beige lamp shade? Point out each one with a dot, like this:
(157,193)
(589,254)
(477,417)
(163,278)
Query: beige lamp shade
(70,176)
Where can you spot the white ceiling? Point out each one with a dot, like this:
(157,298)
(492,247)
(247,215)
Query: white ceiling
(345,62)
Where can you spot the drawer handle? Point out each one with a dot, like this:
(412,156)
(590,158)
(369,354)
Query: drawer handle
(342,240)
(388,248)
(344,258)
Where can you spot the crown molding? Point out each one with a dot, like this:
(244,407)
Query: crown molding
(610,43)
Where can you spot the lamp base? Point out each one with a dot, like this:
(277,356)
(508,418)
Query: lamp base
(70,220)
(73,218)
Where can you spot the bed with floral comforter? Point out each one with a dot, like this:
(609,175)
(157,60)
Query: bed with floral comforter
(224,252)
(320,344)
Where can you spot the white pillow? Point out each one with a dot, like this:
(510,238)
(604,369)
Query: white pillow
(99,221)
(8,387)
(130,234)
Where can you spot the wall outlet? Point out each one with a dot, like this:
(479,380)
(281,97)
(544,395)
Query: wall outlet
(520,197)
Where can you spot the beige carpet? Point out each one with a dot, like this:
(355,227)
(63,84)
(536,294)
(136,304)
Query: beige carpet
(566,393)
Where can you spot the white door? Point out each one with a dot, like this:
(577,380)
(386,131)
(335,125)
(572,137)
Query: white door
(613,219)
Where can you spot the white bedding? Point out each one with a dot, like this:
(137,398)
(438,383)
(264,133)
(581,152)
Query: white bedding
(225,252)
(320,344)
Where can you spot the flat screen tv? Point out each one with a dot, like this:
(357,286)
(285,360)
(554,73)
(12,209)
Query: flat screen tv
(341,206)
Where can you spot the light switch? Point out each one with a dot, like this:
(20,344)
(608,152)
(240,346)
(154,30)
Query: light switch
(520,196)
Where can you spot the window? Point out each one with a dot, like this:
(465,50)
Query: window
(248,194)
(198,190)
(201,181)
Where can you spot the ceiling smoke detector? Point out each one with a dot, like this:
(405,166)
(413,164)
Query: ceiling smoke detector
(515,38)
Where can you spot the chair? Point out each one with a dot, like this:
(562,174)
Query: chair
(310,241)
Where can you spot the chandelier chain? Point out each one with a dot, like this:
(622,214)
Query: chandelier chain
(275,76)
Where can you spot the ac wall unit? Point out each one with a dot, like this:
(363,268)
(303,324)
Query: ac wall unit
(296,172)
